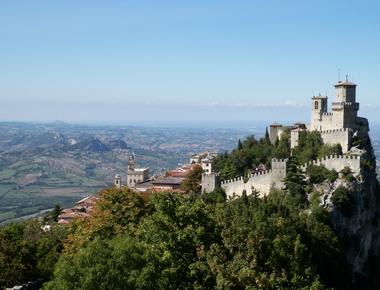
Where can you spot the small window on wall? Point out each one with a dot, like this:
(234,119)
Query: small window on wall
(316,105)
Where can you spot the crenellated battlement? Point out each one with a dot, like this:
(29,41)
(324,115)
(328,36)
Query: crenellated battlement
(275,160)
(336,162)
(249,176)
(327,114)
(263,181)
(335,131)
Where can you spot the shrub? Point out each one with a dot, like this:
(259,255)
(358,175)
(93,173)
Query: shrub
(343,201)
(347,174)
(319,174)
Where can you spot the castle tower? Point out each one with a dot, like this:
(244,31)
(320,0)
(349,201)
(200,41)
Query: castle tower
(345,108)
(207,166)
(318,107)
(279,168)
(210,181)
(117,181)
(345,92)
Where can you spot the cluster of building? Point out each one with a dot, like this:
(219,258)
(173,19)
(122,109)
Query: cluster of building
(139,179)
(339,126)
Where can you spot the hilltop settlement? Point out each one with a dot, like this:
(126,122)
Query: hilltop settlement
(336,127)
(297,208)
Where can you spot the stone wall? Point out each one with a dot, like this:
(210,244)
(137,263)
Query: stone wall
(264,181)
(337,163)
(338,136)
(261,182)
(328,121)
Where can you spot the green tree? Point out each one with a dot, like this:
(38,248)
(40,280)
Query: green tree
(27,252)
(119,263)
(192,182)
(318,174)
(295,182)
(56,212)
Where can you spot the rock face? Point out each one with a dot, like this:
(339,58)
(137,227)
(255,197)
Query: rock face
(357,224)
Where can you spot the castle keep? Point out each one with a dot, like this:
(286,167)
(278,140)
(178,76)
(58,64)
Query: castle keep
(338,126)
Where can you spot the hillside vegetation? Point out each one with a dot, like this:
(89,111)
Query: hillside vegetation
(252,152)
(286,240)
(169,241)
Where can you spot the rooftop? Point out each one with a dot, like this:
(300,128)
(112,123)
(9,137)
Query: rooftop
(168,180)
(138,171)
(345,84)
(319,97)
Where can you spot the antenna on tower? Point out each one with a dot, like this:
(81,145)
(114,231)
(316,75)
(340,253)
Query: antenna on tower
(346,78)
(338,75)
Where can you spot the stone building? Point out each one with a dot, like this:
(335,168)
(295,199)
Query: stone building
(136,175)
(339,126)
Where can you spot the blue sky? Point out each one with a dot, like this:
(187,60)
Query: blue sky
(183,60)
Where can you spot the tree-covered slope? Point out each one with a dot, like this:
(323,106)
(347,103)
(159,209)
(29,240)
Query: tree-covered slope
(170,241)
(320,232)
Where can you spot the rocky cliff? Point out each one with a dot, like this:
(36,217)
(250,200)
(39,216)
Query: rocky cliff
(354,205)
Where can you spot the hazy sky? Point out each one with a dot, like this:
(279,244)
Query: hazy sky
(183,60)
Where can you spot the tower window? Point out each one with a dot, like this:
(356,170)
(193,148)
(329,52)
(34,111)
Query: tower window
(316,105)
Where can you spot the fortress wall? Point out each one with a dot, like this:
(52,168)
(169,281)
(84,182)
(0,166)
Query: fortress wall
(337,163)
(262,182)
(328,120)
(340,136)
(234,187)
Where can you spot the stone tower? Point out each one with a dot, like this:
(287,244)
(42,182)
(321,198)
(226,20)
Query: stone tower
(345,108)
(279,168)
(318,108)
(210,181)
(117,181)
(131,163)
(136,175)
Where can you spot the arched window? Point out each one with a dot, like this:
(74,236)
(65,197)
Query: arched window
(316,105)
